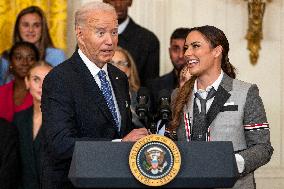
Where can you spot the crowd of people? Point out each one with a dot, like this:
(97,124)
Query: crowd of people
(48,102)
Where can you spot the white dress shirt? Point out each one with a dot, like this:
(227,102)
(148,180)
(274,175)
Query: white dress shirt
(123,25)
(204,93)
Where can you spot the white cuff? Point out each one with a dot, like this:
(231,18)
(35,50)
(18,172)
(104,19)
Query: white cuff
(116,140)
(240,162)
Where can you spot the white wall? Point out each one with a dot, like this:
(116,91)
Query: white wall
(163,16)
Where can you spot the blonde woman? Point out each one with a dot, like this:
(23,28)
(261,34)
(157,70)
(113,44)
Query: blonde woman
(29,124)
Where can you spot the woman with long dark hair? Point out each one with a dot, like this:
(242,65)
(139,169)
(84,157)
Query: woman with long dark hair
(31,26)
(214,106)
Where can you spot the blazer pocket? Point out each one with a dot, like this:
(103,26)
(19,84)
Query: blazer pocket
(229,108)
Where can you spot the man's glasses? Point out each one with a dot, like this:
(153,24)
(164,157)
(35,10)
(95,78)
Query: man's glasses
(120,63)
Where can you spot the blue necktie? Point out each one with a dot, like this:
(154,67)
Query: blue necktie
(106,90)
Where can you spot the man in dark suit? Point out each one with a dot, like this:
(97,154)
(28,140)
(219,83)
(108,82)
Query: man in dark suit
(85,98)
(142,44)
(170,80)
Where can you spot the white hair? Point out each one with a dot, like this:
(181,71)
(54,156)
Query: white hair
(81,14)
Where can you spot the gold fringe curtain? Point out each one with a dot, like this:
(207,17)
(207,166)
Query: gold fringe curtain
(55,11)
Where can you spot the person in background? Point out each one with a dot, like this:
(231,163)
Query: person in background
(28,123)
(85,98)
(142,44)
(123,60)
(14,96)
(31,26)
(214,106)
(170,81)
(9,156)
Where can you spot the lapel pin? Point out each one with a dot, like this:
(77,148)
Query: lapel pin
(126,104)
(116,78)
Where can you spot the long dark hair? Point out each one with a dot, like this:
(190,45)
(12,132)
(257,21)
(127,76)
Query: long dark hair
(45,39)
(215,37)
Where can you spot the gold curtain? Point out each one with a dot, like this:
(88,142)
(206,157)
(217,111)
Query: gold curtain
(56,13)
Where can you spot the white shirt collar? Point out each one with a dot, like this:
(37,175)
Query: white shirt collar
(123,25)
(215,84)
(94,69)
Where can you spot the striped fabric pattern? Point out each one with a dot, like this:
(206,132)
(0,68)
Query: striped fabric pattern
(256,126)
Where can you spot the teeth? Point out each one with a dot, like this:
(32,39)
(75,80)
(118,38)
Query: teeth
(192,61)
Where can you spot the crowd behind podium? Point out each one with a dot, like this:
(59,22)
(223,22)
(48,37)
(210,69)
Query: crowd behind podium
(47,102)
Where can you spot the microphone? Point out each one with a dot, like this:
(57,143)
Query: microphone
(142,107)
(164,109)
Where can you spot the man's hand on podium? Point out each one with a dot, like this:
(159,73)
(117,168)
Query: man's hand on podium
(135,135)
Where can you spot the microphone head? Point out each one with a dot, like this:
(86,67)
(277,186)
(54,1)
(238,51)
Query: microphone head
(142,108)
(164,105)
(164,94)
(143,95)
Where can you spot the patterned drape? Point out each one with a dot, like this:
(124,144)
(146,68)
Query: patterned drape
(56,13)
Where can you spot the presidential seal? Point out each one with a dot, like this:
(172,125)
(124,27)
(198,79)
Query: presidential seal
(154,160)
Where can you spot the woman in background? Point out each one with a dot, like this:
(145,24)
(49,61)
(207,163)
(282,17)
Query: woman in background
(31,26)
(29,124)
(13,96)
(123,60)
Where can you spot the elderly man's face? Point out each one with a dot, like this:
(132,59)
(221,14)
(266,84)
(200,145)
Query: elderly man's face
(98,37)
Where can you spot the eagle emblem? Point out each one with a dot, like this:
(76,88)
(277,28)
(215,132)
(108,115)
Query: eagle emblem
(155,160)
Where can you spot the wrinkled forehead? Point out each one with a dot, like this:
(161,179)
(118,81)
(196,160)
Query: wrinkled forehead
(98,16)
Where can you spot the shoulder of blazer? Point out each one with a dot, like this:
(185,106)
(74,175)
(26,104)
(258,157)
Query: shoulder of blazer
(230,84)
(137,30)
(227,82)
(116,71)
(22,116)
(67,68)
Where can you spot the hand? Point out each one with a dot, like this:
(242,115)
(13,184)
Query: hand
(184,76)
(135,135)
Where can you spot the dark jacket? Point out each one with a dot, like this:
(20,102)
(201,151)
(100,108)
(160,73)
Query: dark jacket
(144,47)
(9,156)
(168,81)
(30,149)
(74,109)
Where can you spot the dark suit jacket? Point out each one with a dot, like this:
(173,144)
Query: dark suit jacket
(74,109)
(168,81)
(144,47)
(9,156)
(30,149)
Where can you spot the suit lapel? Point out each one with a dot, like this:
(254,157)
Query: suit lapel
(93,91)
(221,97)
